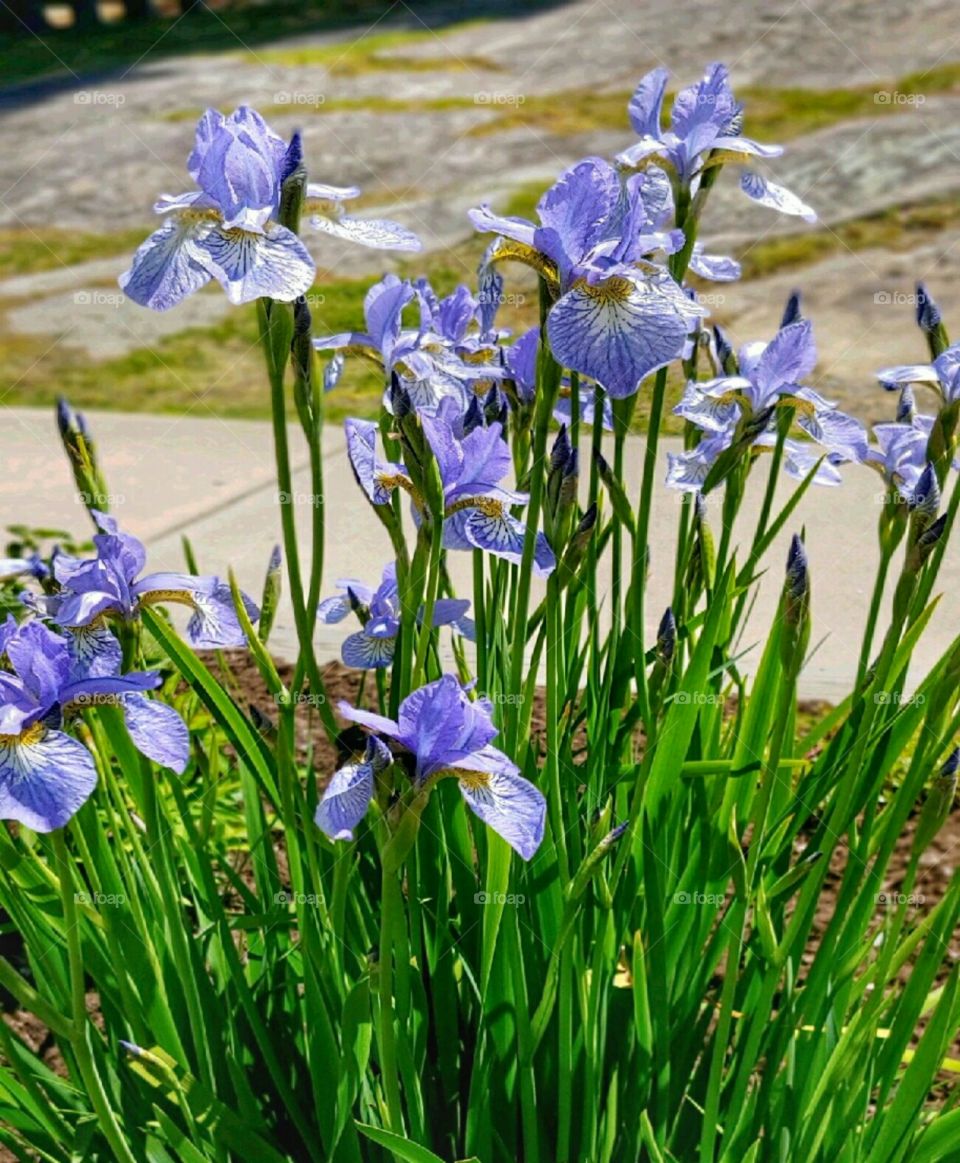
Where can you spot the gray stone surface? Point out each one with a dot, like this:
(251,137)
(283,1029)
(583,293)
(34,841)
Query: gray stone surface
(94,156)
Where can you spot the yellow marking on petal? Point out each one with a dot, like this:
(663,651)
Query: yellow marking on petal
(181,597)
(201,215)
(31,735)
(488,506)
(508,250)
(473,780)
(609,292)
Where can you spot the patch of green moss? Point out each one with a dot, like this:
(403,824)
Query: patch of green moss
(378,52)
(26,250)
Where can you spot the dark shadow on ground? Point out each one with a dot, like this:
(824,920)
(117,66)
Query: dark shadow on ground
(34,66)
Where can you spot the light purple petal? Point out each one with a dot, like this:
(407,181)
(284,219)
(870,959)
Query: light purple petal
(647,102)
(157,731)
(505,801)
(775,197)
(484,220)
(273,265)
(45,781)
(377,233)
(367,651)
(167,267)
(617,331)
(345,801)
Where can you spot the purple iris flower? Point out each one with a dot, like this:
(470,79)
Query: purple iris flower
(902,446)
(379,610)
(477,509)
(477,512)
(705,117)
(449,734)
(110,585)
(943,375)
(227,229)
(769,375)
(521,367)
(617,316)
(427,366)
(45,775)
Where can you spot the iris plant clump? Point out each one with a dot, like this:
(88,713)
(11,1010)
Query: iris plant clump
(552,883)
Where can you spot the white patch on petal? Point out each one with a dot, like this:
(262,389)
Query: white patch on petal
(273,265)
(775,197)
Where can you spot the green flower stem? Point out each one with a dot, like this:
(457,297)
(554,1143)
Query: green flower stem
(554,792)
(639,568)
(391,913)
(548,381)
(480,619)
(275,331)
(80,1022)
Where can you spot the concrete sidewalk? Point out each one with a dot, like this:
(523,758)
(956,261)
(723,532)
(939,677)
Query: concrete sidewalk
(212,481)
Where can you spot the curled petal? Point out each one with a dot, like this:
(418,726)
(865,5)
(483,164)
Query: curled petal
(775,197)
(377,233)
(487,222)
(349,792)
(646,103)
(45,778)
(716,267)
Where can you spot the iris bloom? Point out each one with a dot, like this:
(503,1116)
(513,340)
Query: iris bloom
(477,509)
(617,316)
(430,360)
(379,611)
(45,775)
(110,585)
(521,367)
(943,375)
(705,117)
(227,229)
(449,735)
(902,447)
(769,377)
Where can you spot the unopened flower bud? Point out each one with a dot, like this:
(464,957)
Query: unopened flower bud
(791,312)
(272,588)
(906,406)
(667,637)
